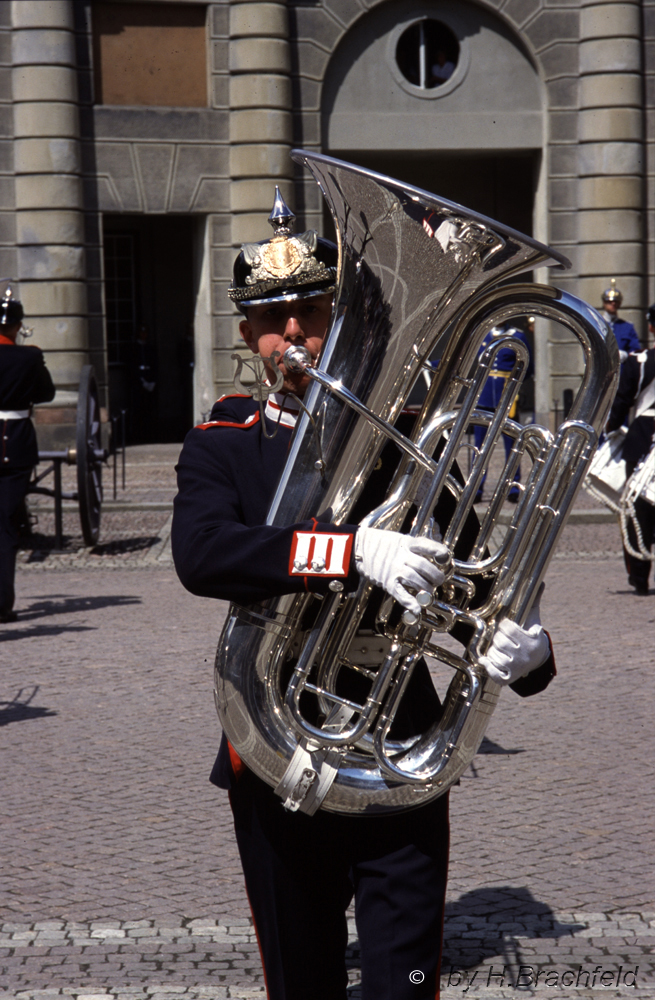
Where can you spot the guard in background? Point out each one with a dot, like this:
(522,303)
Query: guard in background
(625,333)
(493,389)
(24,380)
(637,388)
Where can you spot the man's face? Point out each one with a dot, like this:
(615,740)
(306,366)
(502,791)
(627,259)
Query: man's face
(279,325)
(610,307)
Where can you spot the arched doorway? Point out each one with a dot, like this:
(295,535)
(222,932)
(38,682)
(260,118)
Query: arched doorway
(443,96)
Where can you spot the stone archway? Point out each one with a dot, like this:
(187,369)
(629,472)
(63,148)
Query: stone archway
(476,137)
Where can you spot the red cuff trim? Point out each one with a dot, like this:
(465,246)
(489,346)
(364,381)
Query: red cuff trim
(320,553)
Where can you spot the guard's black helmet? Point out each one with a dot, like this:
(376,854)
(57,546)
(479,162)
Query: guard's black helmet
(650,315)
(612,294)
(11,309)
(288,266)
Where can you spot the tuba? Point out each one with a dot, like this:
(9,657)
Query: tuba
(420,278)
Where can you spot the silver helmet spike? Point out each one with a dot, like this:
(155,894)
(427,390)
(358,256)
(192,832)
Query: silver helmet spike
(281,217)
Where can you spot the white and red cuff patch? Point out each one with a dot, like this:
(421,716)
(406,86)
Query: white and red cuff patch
(320,553)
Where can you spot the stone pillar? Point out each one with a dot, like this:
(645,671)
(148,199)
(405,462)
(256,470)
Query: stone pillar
(49,200)
(260,113)
(260,140)
(611,166)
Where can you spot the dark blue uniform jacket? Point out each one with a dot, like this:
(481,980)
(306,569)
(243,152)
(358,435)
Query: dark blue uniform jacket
(503,363)
(635,378)
(626,336)
(24,380)
(227,474)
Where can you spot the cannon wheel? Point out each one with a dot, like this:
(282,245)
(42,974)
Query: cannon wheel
(90,456)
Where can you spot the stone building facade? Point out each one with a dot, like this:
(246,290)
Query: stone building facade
(140,144)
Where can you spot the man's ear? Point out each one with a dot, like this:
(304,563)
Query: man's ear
(248,335)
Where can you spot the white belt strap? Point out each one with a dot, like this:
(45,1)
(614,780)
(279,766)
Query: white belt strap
(14,414)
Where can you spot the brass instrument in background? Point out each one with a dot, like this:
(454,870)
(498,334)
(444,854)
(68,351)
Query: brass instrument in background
(419,278)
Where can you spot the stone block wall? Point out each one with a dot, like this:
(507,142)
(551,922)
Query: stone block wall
(8,254)
(51,260)
(267,62)
(648,49)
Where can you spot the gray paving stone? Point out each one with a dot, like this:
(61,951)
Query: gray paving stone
(109,733)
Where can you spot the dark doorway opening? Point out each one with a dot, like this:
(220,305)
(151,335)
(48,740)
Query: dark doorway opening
(499,185)
(150,300)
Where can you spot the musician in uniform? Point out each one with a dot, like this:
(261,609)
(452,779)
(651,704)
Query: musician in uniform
(637,388)
(24,380)
(302,871)
(625,333)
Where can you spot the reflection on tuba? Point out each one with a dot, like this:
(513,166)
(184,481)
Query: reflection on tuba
(418,280)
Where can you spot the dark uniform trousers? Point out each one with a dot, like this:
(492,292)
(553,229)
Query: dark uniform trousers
(639,569)
(13,487)
(637,376)
(302,871)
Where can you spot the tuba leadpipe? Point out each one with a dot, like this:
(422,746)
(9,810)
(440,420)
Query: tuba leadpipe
(419,277)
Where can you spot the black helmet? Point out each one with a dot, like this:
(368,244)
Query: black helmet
(650,314)
(612,294)
(11,309)
(287,266)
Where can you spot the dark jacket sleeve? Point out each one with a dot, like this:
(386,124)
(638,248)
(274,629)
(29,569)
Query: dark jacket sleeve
(626,394)
(44,390)
(639,438)
(539,679)
(223,550)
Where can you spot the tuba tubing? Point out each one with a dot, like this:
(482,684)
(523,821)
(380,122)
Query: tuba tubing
(418,277)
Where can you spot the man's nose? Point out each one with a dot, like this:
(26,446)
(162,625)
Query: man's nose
(293,329)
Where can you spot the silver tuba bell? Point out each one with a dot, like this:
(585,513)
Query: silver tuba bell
(419,279)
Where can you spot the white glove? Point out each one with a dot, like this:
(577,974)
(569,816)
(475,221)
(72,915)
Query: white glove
(515,651)
(623,356)
(396,561)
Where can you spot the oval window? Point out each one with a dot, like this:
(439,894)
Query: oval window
(427,53)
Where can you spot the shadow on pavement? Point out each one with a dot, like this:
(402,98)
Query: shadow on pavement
(21,708)
(120,546)
(41,547)
(488,746)
(61,604)
(498,914)
(484,924)
(41,631)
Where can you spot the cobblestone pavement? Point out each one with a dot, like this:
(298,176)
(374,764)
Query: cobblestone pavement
(134,526)
(121,878)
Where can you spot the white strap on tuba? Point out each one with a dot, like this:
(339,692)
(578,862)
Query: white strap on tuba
(311,771)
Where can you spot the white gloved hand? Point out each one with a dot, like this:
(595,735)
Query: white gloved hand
(515,651)
(623,356)
(394,562)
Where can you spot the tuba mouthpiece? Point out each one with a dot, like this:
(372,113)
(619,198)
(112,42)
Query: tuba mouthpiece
(297,359)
